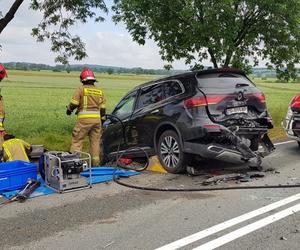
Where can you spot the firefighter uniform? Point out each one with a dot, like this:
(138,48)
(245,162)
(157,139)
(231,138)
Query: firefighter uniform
(2,116)
(3,74)
(88,100)
(2,113)
(15,149)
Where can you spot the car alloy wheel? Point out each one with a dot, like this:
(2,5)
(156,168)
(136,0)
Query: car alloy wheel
(170,152)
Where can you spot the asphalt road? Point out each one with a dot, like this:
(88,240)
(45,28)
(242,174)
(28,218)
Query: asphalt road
(110,216)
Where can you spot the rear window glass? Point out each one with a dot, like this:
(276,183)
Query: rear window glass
(172,88)
(150,95)
(223,80)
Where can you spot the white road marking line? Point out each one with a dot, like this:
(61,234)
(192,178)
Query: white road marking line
(248,229)
(281,143)
(224,225)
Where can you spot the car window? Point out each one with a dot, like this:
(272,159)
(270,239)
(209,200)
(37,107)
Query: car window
(172,88)
(222,80)
(125,106)
(150,95)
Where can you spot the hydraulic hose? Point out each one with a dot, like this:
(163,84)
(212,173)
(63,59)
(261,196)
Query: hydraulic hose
(203,189)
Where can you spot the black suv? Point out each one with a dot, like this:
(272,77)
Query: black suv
(215,114)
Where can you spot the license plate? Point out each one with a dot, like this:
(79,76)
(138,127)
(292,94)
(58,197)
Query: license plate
(237,110)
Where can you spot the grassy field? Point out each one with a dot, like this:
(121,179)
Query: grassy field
(35,103)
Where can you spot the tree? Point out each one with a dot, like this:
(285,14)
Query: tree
(229,32)
(59,16)
(110,71)
(290,72)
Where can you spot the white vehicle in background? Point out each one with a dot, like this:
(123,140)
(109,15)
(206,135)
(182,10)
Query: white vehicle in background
(292,125)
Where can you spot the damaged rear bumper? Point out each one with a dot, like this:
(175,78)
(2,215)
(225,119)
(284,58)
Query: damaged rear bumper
(238,151)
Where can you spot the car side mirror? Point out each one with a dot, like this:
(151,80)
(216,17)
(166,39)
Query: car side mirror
(111,119)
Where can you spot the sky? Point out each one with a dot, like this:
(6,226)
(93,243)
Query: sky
(106,43)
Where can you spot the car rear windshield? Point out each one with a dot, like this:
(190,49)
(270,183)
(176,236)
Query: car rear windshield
(223,80)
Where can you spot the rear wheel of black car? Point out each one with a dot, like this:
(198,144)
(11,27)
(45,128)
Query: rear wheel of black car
(298,143)
(170,152)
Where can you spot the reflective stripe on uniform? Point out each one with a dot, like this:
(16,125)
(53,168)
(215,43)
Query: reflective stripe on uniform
(94,92)
(85,103)
(8,154)
(75,102)
(89,114)
(13,142)
(1,124)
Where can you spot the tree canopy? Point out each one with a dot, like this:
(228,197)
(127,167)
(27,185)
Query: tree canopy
(58,18)
(228,32)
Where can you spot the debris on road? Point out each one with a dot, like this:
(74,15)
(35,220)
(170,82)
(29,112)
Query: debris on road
(269,170)
(250,176)
(283,238)
(273,170)
(194,171)
(256,175)
(223,178)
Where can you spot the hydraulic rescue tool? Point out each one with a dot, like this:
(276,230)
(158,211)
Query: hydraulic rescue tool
(61,170)
(24,194)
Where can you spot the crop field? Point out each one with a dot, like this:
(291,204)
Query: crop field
(35,102)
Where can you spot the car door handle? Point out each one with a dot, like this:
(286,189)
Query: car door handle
(155,111)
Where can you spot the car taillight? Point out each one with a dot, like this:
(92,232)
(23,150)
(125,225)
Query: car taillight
(202,101)
(195,102)
(211,126)
(296,102)
(260,97)
(214,99)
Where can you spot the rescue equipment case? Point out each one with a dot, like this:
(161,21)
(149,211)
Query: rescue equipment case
(14,174)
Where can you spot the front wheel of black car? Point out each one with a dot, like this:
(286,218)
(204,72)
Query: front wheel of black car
(170,152)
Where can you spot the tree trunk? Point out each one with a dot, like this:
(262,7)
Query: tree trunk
(213,59)
(10,14)
(228,58)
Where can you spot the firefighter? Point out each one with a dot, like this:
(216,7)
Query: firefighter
(3,74)
(89,102)
(15,149)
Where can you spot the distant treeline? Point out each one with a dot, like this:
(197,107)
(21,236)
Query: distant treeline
(96,68)
(256,72)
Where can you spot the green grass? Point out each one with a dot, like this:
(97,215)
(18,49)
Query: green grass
(35,102)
